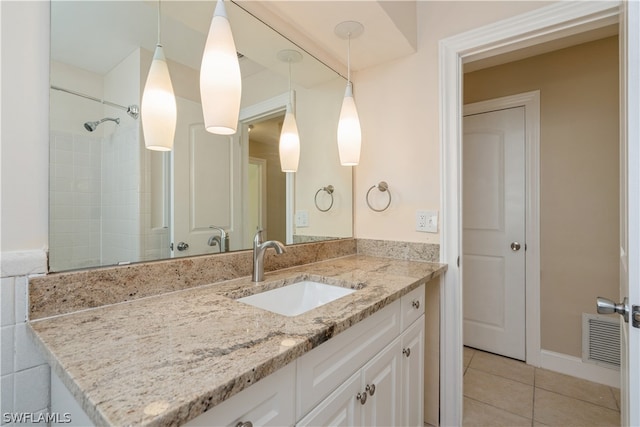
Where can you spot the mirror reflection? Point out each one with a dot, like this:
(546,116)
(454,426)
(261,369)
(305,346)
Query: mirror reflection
(114,202)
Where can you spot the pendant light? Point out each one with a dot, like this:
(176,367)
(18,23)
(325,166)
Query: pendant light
(289,146)
(349,132)
(220,79)
(158,106)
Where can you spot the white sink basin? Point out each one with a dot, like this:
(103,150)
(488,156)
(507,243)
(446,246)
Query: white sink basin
(297,298)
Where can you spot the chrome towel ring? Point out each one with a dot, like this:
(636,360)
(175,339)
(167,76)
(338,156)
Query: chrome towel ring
(383,187)
(329,189)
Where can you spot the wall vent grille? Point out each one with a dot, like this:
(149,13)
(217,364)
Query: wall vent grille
(601,340)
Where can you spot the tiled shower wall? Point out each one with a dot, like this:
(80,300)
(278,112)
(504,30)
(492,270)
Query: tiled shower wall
(74,200)
(100,210)
(121,232)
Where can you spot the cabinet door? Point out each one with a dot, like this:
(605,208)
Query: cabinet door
(413,375)
(383,372)
(340,408)
(269,402)
(323,369)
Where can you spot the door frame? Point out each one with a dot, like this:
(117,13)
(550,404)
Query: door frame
(256,112)
(531,103)
(544,24)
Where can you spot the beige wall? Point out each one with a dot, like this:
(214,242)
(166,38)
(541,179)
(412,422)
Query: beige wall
(398,104)
(276,226)
(578,177)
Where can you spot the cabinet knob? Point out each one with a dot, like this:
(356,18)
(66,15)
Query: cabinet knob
(371,389)
(415,304)
(362,397)
(406,352)
(244,424)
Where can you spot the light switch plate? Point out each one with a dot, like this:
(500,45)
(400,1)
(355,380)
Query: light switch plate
(427,221)
(302,218)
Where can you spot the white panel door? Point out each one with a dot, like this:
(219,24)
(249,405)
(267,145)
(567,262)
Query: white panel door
(630,210)
(494,232)
(204,171)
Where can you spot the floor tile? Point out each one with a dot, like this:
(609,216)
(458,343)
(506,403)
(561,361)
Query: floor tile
(480,414)
(503,393)
(503,366)
(576,388)
(467,355)
(558,410)
(616,395)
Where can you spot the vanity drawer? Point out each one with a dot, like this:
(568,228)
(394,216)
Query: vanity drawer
(269,402)
(412,306)
(323,369)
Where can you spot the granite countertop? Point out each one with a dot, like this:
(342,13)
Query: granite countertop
(165,359)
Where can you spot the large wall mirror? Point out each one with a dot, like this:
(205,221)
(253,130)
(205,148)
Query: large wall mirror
(114,202)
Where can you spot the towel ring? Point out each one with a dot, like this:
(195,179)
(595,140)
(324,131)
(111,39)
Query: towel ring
(329,190)
(383,187)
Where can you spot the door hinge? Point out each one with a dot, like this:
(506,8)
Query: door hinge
(458,261)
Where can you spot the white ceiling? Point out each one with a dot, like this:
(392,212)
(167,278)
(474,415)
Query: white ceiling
(98,35)
(390,31)
(390,28)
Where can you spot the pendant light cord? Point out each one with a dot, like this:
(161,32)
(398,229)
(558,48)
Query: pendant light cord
(290,93)
(159,44)
(348,58)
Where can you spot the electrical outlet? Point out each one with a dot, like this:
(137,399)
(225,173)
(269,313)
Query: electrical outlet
(421,221)
(427,221)
(302,218)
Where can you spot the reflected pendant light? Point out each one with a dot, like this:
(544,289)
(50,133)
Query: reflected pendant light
(220,79)
(349,132)
(158,107)
(289,146)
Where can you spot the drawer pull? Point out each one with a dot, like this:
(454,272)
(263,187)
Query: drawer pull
(371,389)
(244,424)
(362,397)
(406,352)
(415,304)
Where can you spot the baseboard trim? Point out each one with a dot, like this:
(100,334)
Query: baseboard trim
(23,263)
(574,366)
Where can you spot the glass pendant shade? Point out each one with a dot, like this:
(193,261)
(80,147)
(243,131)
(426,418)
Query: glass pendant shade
(220,79)
(289,146)
(349,132)
(158,107)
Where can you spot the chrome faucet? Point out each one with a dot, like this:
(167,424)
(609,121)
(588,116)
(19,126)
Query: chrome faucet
(222,240)
(259,248)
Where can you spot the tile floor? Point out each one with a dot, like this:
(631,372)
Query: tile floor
(499,391)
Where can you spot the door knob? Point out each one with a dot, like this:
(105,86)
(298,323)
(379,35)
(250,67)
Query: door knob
(515,246)
(182,246)
(606,306)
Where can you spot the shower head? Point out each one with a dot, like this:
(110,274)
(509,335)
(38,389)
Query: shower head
(91,126)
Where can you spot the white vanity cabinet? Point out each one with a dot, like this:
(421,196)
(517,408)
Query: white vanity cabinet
(370,397)
(385,391)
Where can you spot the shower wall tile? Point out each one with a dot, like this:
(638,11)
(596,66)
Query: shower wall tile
(73,213)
